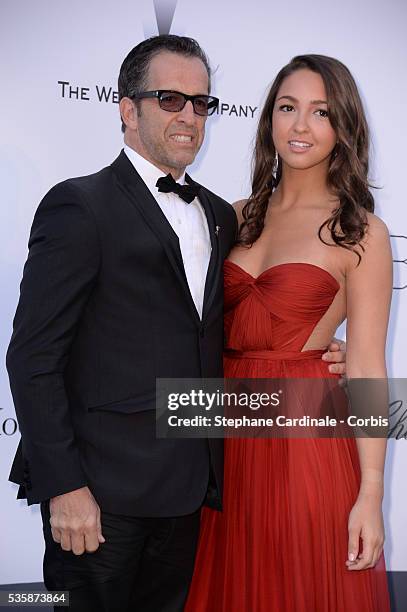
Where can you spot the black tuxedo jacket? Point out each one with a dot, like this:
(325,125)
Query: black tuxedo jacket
(104,310)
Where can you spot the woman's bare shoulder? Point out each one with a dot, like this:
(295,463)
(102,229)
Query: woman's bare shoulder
(376,227)
(238,206)
(376,234)
(374,249)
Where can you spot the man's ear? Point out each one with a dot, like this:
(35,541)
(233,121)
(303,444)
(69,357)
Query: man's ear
(128,113)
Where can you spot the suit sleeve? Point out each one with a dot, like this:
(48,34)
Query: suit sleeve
(60,272)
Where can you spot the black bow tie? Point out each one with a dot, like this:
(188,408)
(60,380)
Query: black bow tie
(187,192)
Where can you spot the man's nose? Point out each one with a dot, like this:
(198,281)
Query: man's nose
(187,113)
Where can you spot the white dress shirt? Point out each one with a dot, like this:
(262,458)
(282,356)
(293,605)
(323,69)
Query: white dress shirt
(187,220)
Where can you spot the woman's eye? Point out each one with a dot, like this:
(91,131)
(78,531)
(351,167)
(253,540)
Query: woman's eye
(286,108)
(322,112)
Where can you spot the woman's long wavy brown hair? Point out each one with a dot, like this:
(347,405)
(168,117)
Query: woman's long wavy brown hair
(349,163)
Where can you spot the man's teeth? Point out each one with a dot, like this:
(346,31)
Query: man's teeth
(183,138)
(295,143)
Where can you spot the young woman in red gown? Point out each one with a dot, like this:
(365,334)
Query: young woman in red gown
(302,528)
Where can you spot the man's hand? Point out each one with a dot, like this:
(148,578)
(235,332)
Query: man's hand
(75,521)
(336,354)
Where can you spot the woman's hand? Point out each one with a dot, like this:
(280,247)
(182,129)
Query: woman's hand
(365,522)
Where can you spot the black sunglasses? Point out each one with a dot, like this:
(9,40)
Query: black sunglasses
(174,101)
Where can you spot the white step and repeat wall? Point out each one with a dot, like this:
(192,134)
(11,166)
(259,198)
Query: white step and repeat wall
(59,118)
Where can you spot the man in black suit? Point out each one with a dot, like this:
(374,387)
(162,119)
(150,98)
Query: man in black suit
(123,284)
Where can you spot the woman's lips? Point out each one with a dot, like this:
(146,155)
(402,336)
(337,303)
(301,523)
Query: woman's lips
(299,146)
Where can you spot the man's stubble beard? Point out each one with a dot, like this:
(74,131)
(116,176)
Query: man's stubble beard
(158,152)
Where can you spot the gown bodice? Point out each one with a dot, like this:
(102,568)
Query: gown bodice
(278,310)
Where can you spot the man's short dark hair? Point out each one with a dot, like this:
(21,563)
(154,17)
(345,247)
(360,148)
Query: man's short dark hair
(134,69)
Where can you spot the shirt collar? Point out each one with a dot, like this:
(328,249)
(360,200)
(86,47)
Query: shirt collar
(148,171)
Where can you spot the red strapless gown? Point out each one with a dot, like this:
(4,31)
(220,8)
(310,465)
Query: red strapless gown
(280,544)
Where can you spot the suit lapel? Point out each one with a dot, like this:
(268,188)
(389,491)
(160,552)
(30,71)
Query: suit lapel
(140,196)
(214,267)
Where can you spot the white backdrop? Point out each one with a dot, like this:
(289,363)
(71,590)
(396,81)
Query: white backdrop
(47,137)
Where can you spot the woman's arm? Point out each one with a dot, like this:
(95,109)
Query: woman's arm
(368,288)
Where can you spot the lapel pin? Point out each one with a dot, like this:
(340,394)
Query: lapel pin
(217,230)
